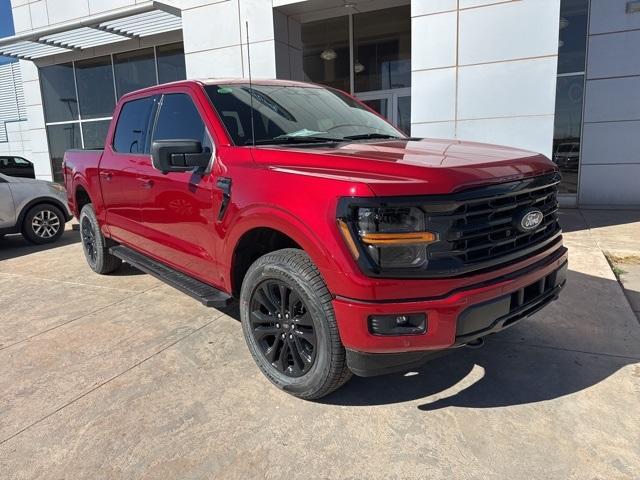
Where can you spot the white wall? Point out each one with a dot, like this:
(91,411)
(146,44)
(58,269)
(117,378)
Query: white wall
(485,70)
(18,142)
(215,38)
(610,168)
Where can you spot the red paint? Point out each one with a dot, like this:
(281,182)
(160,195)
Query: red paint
(296,191)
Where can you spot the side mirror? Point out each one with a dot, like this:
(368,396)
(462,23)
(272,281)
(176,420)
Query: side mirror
(179,155)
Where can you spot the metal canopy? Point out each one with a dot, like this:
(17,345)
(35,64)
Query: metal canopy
(142,20)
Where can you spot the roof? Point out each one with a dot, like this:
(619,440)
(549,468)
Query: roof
(137,21)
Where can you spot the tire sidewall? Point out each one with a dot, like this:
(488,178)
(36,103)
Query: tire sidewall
(317,375)
(88,213)
(27,226)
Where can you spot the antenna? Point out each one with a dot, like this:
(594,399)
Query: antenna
(253,130)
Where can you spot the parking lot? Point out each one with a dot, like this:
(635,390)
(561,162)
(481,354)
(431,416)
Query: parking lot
(121,376)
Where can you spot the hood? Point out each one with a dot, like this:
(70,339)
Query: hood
(408,167)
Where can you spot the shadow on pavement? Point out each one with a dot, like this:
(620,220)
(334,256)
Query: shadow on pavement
(13,246)
(508,371)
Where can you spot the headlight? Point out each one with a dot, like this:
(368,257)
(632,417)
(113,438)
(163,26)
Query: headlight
(392,237)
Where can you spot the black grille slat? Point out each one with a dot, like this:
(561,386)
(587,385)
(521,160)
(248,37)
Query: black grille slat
(483,229)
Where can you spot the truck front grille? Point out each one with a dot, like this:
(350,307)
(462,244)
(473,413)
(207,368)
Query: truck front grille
(481,225)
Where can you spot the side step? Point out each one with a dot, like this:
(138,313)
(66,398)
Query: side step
(206,294)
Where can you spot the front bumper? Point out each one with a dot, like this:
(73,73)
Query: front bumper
(453,320)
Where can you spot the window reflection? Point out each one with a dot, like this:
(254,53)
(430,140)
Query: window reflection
(134,70)
(95,75)
(570,91)
(59,93)
(325,46)
(61,138)
(573,35)
(95,133)
(568,124)
(171,63)
(382,55)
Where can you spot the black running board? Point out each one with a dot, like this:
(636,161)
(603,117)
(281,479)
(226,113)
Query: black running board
(207,295)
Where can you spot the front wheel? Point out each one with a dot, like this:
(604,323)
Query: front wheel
(289,325)
(94,245)
(43,223)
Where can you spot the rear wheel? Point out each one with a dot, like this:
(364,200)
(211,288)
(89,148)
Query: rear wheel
(43,223)
(289,325)
(94,245)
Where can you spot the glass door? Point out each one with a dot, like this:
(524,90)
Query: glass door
(393,104)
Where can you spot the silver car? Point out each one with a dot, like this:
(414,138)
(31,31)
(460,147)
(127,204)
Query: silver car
(35,208)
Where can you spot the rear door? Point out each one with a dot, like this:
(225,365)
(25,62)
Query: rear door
(126,150)
(178,211)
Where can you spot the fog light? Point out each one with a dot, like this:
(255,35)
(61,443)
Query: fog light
(399,324)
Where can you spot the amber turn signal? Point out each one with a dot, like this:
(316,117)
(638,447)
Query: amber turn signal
(344,228)
(411,238)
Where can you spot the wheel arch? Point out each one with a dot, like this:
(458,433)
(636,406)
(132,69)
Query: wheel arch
(263,231)
(40,201)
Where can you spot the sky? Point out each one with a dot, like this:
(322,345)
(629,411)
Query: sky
(6,24)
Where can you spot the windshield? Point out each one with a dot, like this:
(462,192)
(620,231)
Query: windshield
(293,114)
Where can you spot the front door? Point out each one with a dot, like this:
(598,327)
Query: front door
(178,208)
(7,208)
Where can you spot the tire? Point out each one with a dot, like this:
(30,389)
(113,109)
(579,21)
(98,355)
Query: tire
(309,362)
(94,245)
(43,223)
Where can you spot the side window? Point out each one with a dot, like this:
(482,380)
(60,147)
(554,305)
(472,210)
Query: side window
(179,119)
(132,127)
(21,162)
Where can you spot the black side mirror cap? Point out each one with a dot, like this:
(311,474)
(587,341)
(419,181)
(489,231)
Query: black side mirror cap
(179,156)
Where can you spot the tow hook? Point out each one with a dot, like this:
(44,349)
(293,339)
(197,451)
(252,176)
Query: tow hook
(477,343)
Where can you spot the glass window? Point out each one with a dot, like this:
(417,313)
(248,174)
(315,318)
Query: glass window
(134,70)
(568,123)
(325,50)
(95,87)
(573,36)
(293,114)
(404,114)
(61,138)
(94,134)
(171,63)
(133,122)
(179,119)
(382,49)
(59,93)
(21,162)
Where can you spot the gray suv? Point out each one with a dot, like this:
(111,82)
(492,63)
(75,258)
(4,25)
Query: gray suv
(35,208)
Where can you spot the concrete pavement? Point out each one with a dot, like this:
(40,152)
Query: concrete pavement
(122,377)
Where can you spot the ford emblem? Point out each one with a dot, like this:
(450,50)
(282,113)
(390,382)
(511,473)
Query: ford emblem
(529,219)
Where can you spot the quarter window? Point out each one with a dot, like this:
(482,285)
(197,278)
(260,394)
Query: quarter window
(132,127)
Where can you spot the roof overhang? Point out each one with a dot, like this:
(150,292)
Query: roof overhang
(141,20)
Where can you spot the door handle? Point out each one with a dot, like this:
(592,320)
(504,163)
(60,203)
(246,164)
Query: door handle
(146,182)
(106,175)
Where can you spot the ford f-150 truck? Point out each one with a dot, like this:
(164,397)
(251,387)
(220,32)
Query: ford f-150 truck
(349,246)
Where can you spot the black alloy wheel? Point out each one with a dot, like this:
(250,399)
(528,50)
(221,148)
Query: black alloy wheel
(89,240)
(283,328)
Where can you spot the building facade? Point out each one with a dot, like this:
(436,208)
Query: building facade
(559,77)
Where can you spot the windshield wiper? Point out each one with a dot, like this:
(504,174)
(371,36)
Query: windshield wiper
(297,139)
(365,136)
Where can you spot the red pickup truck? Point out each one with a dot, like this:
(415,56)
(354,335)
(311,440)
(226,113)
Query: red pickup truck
(351,247)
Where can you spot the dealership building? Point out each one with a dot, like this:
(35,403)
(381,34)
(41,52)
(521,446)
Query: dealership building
(560,77)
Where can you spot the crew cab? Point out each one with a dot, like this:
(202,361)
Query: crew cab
(350,247)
